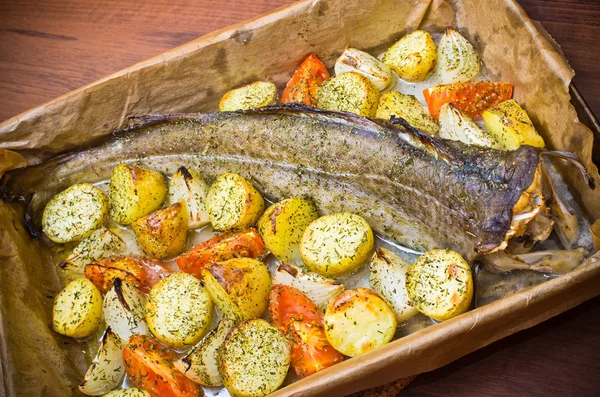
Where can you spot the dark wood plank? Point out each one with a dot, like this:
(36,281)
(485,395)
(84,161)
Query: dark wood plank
(49,47)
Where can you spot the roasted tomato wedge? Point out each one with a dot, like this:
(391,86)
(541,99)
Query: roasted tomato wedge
(311,351)
(302,322)
(471,98)
(149,365)
(244,244)
(144,273)
(288,304)
(303,85)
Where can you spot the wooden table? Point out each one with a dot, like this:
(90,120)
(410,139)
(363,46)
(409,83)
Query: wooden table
(50,47)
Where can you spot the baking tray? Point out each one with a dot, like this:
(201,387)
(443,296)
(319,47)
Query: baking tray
(162,85)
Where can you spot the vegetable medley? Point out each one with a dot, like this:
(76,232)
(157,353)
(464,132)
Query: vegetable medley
(177,319)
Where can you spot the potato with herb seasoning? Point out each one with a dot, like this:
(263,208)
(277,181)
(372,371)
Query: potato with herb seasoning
(337,244)
(135,192)
(282,226)
(233,203)
(163,234)
(77,310)
(413,56)
(74,213)
(393,103)
(251,96)
(239,287)
(349,92)
(254,359)
(510,125)
(359,320)
(440,284)
(179,310)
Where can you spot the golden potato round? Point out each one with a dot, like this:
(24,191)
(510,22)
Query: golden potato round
(77,310)
(254,359)
(135,192)
(337,244)
(283,224)
(251,96)
(413,56)
(440,284)
(179,310)
(74,213)
(359,320)
(239,287)
(349,92)
(163,234)
(233,203)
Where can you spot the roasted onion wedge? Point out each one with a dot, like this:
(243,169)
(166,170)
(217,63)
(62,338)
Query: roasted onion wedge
(319,289)
(125,310)
(106,371)
(200,364)
(98,244)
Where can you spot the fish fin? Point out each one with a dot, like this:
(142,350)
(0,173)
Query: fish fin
(573,159)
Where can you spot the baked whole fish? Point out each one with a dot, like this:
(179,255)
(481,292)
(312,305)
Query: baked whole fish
(419,191)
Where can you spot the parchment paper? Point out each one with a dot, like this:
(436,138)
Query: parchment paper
(193,77)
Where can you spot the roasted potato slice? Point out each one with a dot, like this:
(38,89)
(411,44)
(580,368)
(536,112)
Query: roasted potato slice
(106,372)
(129,392)
(337,244)
(254,359)
(359,320)
(412,57)
(77,310)
(387,276)
(393,103)
(440,284)
(189,186)
(98,244)
(135,192)
(179,310)
(349,92)
(251,96)
(233,203)
(163,234)
(283,224)
(200,365)
(239,287)
(510,125)
(74,213)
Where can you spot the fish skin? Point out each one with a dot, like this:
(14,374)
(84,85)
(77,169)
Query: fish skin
(419,191)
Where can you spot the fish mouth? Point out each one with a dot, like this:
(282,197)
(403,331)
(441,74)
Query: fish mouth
(531,203)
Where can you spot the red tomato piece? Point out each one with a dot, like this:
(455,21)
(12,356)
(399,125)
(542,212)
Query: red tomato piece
(311,351)
(471,98)
(244,244)
(303,85)
(288,304)
(149,365)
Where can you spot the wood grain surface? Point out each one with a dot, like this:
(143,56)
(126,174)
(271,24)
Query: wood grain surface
(50,47)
